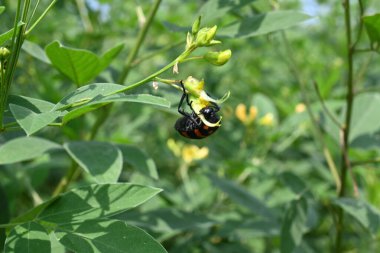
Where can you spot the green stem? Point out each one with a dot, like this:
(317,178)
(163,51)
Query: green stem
(157,73)
(74,171)
(157,52)
(17,40)
(139,42)
(345,163)
(40,17)
(83,13)
(328,112)
(318,135)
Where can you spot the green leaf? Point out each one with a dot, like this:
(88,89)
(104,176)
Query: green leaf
(363,212)
(56,246)
(167,220)
(264,105)
(372,25)
(86,93)
(242,197)
(25,148)
(36,51)
(111,236)
(81,66)
(108,56)
(33,104)
(263,24)
(8,34)
(100,101)
(96,201)
(294,225)
(214,9)
(28,237)
(365,121)
(103,161)
(2,9)
(138,159)
(30,121)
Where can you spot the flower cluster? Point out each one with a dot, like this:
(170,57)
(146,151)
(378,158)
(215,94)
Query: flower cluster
(248,116)
(188,153)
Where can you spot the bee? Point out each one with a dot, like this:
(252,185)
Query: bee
(190,125)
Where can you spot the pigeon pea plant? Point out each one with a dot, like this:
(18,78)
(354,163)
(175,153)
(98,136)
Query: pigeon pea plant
(77,219)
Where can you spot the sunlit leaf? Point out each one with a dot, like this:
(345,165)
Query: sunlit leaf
(80,65)
(263,24)
(86,93)
(25,148)
(33,104)
(102,160)
(100,101)
(167,220)
(28,237)
(372,25)
(214,9)
(36,51)
(365,122)
(363,212)
(111,236)
(30,121)
(96,201)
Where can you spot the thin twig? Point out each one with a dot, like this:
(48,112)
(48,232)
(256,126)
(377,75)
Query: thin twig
(83,13)
(360,163)
(327,111)
(345,134)
(318,136)
(140,38)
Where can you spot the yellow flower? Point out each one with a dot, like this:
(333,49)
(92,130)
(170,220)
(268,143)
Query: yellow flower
(267,120)
(199,98)
(188,153)
(241,113)
(192,152)
(301,107)
(174,147)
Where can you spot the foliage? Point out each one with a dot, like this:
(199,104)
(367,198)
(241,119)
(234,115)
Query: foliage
(89,159)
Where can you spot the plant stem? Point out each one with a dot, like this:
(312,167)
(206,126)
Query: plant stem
(41,17)
(140,38)
(83,13)
(17,40)
(155,74)
(345,131)
(74,171)
(318,135)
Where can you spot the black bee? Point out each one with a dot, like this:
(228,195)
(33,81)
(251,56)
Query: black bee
(191,125)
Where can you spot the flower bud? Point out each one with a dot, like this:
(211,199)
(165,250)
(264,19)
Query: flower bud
(196,25)
(218,58)
(193,85)
(205,36)
(4,53)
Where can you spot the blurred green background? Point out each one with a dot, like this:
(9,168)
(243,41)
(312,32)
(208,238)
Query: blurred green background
(236,190)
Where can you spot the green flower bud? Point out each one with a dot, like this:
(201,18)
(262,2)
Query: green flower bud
(205,36)
(196,25)
(193,85)
(4,53)
(218,58)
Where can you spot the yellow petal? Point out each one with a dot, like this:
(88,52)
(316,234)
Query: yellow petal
(241,112)
(267,120)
